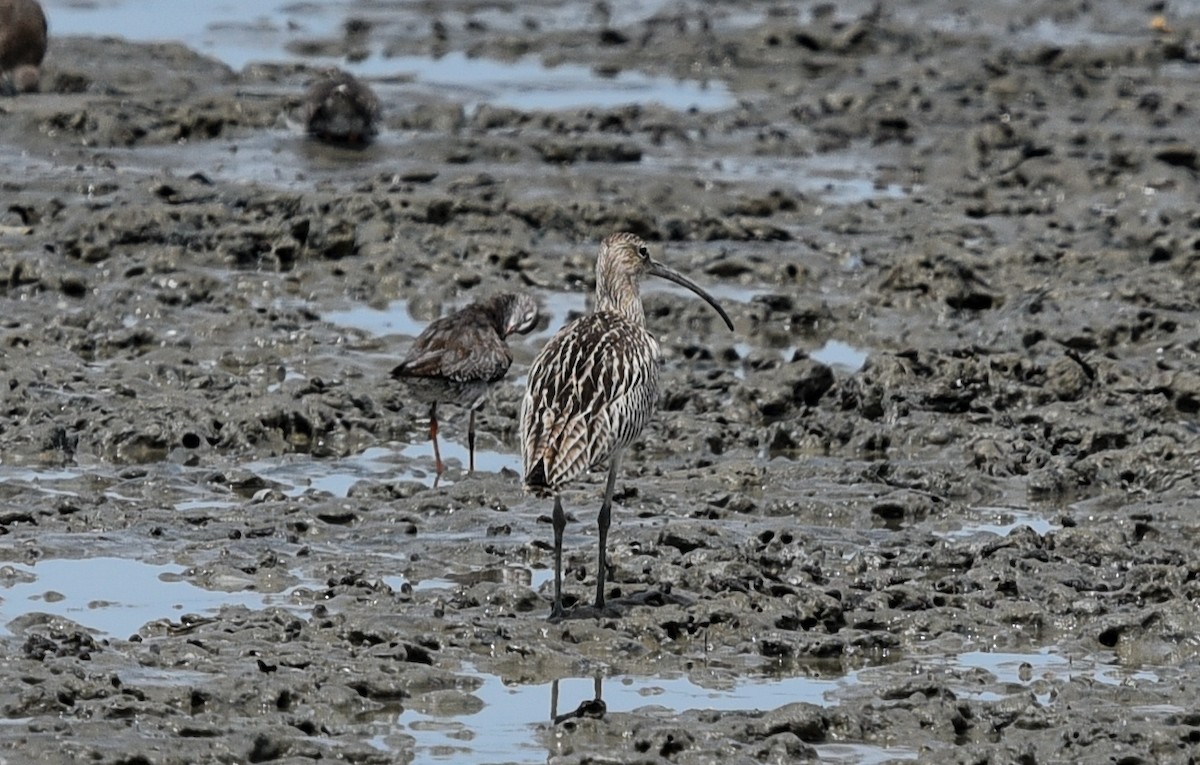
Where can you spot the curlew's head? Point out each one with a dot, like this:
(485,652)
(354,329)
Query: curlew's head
(624,261)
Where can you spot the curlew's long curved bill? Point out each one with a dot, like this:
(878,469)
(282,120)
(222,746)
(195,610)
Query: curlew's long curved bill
(658,269)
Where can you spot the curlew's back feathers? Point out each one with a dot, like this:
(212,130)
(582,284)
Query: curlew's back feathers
(592,389)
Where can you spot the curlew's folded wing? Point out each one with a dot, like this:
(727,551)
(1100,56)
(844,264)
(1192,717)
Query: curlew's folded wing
(591,390)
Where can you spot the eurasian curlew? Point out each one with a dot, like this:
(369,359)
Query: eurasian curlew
(593,388)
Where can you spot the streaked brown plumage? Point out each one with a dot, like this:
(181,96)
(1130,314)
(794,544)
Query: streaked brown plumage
(340,109)
(22,45)
(458,357)
(593,388)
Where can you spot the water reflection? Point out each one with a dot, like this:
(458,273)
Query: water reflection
(511,712)
(298,475)
(593,707)
(499,725)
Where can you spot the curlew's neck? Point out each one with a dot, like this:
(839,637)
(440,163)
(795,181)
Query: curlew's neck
(617,292)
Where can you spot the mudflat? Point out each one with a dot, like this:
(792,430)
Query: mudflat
(936,497)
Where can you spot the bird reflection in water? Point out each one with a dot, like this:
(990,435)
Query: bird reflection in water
(594,708)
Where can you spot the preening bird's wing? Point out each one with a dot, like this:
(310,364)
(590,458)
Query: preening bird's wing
(421,363)
(456,353)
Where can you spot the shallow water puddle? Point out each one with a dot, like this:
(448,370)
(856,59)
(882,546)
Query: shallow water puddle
(529,84)
(393,319)
(835,353)
(454,452)
(42,480)
(203,504)
(300,475)
(240,33)
(34,476)
(1014,668)
(113,596)
(277,157)
(1045,665)
(863,754)
(518,575)
(1000,521)
(843,177)
(503,727)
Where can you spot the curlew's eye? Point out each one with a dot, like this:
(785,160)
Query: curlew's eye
(643,252)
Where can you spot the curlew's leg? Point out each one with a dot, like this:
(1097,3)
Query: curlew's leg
(471,442)
(560,523)
(437,453)
(614,465)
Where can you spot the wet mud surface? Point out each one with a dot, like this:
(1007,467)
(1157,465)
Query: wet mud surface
(935,497)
